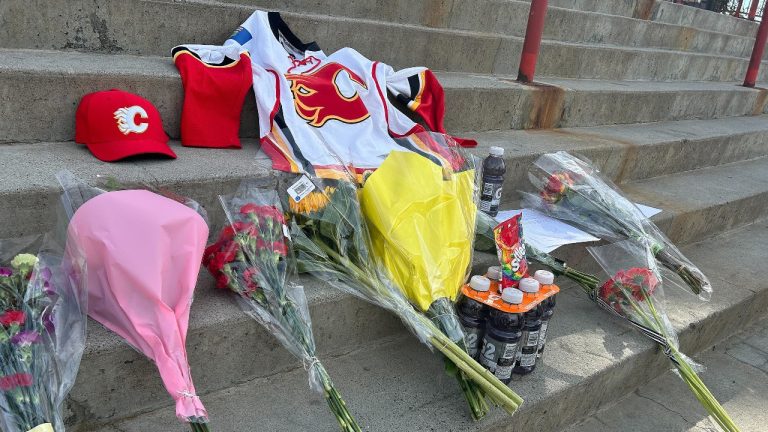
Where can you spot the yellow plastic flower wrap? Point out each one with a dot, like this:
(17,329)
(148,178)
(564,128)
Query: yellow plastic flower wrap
(420,209)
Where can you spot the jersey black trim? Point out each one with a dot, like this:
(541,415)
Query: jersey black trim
(278,26)
(179,49)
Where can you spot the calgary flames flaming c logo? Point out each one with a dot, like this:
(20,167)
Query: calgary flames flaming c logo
(319,98)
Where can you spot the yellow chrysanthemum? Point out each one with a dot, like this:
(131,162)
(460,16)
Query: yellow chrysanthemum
(313,202)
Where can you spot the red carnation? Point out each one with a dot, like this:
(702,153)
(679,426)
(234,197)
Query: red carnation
(12,317)
(10,382)
(641,281)
(222,281)
(280,248)
(250,208)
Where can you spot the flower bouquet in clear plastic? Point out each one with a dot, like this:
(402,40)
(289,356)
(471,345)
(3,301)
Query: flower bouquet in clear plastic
(250,258)
(634,293)
(573,190)
(42,332)
(331,242)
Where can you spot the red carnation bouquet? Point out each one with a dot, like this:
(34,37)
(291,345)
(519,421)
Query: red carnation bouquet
(250,258)
(634,293)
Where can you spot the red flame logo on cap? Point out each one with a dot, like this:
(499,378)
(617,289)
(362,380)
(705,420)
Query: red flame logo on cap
(318,98)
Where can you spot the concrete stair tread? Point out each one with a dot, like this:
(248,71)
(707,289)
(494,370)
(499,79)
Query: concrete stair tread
(474,101)
(665,12)
(736,371)
(626,153)
(481,52)
(586,349)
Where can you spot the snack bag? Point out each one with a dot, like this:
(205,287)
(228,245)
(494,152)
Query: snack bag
(511,251)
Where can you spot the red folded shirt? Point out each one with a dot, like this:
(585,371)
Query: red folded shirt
(213,99)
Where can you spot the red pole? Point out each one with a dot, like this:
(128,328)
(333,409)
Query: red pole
(757,54)
(737,13)
(753,9)
(532,41)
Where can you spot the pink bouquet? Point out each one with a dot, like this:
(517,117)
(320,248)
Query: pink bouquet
(143,254)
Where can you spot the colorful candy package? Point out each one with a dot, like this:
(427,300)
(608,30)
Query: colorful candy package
(511,251)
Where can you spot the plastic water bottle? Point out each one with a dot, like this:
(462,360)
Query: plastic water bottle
(472,315)
(494,274)
(529,342)
(547,307)
(502,337)
(493,179)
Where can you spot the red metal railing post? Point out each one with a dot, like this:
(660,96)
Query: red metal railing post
(757,54)
(532,41)
(737,12)
(753,9)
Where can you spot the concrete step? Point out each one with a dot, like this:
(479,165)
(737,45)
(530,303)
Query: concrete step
(587,350)
(89,26)
(625,153)
(732,195)
(110,27)
(44,88)
(736,371)
(666,12)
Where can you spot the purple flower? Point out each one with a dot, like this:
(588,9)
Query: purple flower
(5,271)
(27,337)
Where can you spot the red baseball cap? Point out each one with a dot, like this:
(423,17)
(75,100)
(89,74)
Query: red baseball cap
(116,124)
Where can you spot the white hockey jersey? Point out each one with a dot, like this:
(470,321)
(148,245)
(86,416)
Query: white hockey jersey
(319,111)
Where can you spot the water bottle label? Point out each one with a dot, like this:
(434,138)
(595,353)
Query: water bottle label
(510,351)
(528,359)
(543,334)
(503,372)
(533,339)
(472,338)
(490,197)
(488,355)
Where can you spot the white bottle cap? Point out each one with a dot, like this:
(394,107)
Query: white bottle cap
(529,285)
(497,151)
(512,296)
(544,277)
(494,272)
(480,283)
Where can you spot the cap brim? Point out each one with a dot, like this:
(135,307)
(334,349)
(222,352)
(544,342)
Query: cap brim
(115,151)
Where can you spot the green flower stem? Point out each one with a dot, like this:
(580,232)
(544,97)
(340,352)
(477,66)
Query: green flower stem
(654,320)
(495,389)
(335,402)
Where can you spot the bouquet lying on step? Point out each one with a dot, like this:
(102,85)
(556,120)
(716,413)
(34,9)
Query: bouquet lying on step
(42,333)
(634,293)
(331,241)
(142,252)
(420,212)
(250,259)
(572,190)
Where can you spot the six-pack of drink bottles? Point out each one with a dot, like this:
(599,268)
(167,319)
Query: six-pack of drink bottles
(506,329)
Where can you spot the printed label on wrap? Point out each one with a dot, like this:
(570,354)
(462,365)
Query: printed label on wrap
(299,190)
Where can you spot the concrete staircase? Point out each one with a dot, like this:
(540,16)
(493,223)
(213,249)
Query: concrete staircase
(606,69)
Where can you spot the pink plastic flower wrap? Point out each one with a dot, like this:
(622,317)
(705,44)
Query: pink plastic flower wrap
(143,254)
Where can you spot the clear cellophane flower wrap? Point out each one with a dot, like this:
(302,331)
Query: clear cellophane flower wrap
(331,241)
(420,210)
(141,290)
(573,190)
(634,292)
(42,331)
(250,258)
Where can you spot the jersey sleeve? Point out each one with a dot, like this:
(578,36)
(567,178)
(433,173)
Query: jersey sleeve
(418,89)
